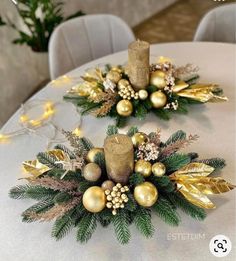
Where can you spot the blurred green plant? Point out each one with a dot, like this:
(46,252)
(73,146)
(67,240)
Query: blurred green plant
(40,18)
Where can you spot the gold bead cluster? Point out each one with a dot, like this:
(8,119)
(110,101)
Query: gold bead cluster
(116,197)
(127,92)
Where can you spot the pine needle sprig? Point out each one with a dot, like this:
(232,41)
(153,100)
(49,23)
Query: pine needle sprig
(216,163)
(66,150)
(142,221)
(132,131)
(164,209)
(111,130)
(175,161)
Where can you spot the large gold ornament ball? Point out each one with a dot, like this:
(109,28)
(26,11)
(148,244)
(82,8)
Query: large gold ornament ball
(94,199)
(158,169)
(92,172)
(114,76)
(157,79)
(158,99)
(123,83)
(143,167)
(142,94)
(124,108)
(93,153)
(146,194)
(139,138)
(108,185)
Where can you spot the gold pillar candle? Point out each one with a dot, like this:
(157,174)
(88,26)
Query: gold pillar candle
(138,64)
(119,157)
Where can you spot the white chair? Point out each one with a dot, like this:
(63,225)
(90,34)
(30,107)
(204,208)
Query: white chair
(218,25)
(84,39)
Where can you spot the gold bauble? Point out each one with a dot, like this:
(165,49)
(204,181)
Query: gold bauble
(146,194)
(124,108)
(139,138)
(94,92)
(158,169)
(93,153)
(116,69)
(92,172)
(94,199)
(108,185)
(143,167)
(157,79)
(114,76)
(123,83)
(158,99)
(142,94)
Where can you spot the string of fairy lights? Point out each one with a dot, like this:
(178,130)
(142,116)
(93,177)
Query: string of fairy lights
(45,117)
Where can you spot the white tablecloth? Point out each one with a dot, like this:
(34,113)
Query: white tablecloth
(214,123)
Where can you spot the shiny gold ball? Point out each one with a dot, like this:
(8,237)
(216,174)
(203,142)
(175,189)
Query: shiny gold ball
(108,185)
(124,108)
(139,138)
(157,79)
(146,194)
(92,172)
(114,76)
(143,167)
(116,69)
(93,153)
(158,169)
(142,94)
(158,99)
(123,83)
(94,199)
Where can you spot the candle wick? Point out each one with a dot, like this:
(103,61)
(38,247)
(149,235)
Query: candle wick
(116,139)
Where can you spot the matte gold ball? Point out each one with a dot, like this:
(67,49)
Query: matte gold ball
(143,167)
(93,153)
(146,194)
(158,169)
(158,99)
(139,138)
(108,184)
(123,83)
(142,94)
(114,76)
(92,172)
(157,79)
(124,108)
(94,199)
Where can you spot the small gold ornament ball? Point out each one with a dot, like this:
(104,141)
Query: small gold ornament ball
(92,154)
(107,185)
(158,99)
(116,69)
(158,169)
(94,199)
(123,83)
(143,167)
(92,172)
(158,79)
(124,108)
(142,94)
(114,76)
(139,138)
(146,194)
(94,92)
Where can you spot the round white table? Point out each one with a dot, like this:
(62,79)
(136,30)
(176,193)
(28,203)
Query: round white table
(214,123)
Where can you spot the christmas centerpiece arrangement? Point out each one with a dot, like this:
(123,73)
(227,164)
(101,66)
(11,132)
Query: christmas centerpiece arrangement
(139,88)
(127,181)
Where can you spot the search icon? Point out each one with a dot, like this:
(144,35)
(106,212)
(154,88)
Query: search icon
(220,245)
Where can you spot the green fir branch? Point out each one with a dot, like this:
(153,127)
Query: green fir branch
(46,159)
(62,197)
(100,160)
(19,191)
(111,130)
(86,227)
(132,131)
(187,207)
(177,136)
(176,161)
(105,217)
(164,209)
(216,163)
(66,150)
(136,179)
(121,225)
(142,221)
(162,114)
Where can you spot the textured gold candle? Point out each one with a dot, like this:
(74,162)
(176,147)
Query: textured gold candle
(119,156)
(138,64)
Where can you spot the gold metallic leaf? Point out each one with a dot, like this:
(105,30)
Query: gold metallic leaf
(193,169)
(180,85)
(211,185)
(208,87)
(34,167)
(195,196)
(59,155)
